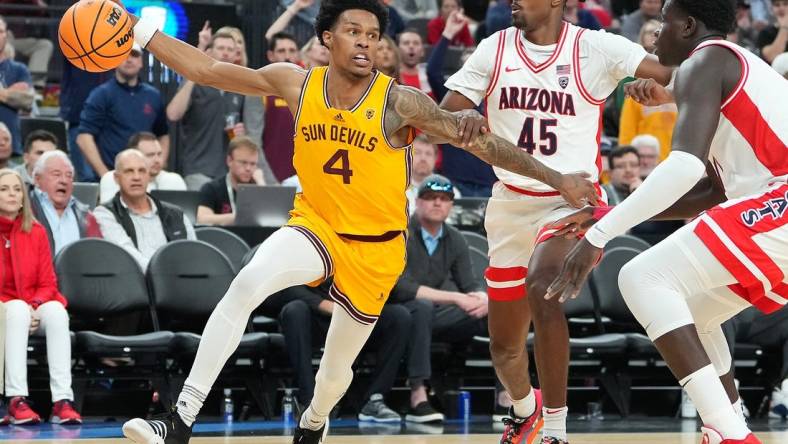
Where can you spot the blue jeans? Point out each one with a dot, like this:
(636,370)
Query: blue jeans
(83,170)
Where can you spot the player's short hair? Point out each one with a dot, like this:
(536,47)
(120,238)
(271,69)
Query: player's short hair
(280,36)
(330,10)
(621,152)
(142,136)
(37,135)
(220,35)
(717,15)
(241,142)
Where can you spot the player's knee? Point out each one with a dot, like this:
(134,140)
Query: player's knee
(537,283)
(543,310)
(503,352)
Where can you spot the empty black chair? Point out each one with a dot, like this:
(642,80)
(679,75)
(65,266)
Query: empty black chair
(628,241)
(249,255)
(187,279)
(102,283)
(227,242)
(476,241)
(479,262)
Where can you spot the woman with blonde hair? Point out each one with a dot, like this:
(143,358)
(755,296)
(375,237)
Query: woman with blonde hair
(240,44)
(314,54)
(33,306)
(388,57)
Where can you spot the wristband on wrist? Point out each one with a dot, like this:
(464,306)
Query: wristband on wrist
(144,30)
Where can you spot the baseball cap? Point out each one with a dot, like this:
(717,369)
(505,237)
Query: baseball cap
(437,184)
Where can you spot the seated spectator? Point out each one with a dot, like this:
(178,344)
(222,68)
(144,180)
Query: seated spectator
(583,18)
(436,252)
(149,146)
(773,40)
(6,146)
(305,318)
(423,166)
(602,14)
(412,71)
(16,90)
(752,326)
(387,60)
(217,197)
(745,32)
(33,306)
(65,219)
(632,23)
(624,164)
(780,64)
(118,109)
(415,9)
(648,151)
(135,220)
(436,25)
(37,143)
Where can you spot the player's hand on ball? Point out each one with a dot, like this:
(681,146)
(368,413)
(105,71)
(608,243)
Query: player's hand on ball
(574,225)
(577,189)
(471,124)
(575,271)
(648,92)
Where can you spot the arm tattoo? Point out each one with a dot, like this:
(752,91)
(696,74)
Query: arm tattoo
(410,107)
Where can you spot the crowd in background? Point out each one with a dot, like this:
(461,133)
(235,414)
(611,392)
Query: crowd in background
(118,135)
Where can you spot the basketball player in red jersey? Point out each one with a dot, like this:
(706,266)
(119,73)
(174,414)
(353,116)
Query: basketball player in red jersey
(545,92)
(731,124)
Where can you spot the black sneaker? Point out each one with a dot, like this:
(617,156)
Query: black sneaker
(168,428)
(376,410)
(423,412)
(306,436)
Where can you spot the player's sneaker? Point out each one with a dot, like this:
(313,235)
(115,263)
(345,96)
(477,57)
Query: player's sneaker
(523,430)
(168,428)
(20,412)
(63,413)
(711,436)
(306,436)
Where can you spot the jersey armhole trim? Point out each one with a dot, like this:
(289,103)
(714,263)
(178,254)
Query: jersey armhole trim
(578,76)
(498,60)
(745,67)
(301,102)
(411,132)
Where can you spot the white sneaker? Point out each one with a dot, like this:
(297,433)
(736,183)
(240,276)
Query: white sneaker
(778,408)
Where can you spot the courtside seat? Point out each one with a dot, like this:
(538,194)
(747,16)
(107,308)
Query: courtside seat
(227,242)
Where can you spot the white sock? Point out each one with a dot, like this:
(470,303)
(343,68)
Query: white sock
(525,407)
(189,403)
(311,420)
(737,407)
(714,407)
(555,422)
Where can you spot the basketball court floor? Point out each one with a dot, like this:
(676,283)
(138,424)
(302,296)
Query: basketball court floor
(641,430)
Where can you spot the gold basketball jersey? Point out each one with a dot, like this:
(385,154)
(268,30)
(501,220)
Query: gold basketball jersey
(349,172)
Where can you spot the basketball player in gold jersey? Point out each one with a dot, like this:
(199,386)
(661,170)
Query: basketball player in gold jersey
(353,129)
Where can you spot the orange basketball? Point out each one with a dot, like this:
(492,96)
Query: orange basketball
(96,35)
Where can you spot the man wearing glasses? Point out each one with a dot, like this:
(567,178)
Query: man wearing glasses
(118,109)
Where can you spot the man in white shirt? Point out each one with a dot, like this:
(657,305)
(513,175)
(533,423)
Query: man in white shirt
(148,144)
(133,219)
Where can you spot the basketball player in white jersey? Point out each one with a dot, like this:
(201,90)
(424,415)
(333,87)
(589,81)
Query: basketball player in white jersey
(544,91)
(732,119)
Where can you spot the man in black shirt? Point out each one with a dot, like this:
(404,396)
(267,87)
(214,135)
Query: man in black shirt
(773,40)
(438,257)
(217,197)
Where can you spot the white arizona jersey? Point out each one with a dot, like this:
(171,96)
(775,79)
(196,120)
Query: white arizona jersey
(749,149)
(548,100)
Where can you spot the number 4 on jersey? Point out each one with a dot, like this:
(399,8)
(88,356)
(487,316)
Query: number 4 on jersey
(341,157)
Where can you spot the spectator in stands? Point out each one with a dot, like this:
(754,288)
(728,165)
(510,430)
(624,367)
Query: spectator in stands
(118,109)
(773,40)
(16,91)
(149,146)
(209,119)
(305,318)
(135,220)
(295,8)
(388,57)
(217,197)
(416,9)
(37,143)
(30,40)
(648,152)
(436,252)
(240,44)
(65,218)
(499,16)
(436,25)
(769,331)
(33,306)
(745,33)
(5,146)
(424,156)
(601,12)
(412,71)
(632,23)
(277,144)
(75,87)
(314,54)
(583,18)
(780,64)
(471,176)
(396,24)
(624,174)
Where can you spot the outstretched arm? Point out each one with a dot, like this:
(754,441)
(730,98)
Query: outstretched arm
(410,107)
